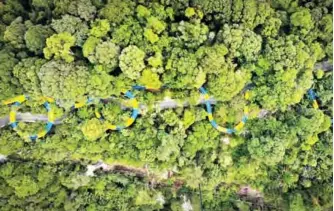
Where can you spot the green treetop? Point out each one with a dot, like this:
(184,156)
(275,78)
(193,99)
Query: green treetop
(73,25)
(63,81)
(35,38)
(59,45)
(132,61)
(14,33)
(26,71)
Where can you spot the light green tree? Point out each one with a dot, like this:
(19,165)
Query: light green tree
(59,47)
(132,61)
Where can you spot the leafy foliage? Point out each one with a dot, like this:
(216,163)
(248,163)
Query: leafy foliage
(26,71)
(35,38)
(59,79)
(73,25)
(59,45)
(169,159)
(132,61)
(105,56)
(14,33)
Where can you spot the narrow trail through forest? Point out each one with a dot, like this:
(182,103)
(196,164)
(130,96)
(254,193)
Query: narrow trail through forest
(29,117)
(166,104)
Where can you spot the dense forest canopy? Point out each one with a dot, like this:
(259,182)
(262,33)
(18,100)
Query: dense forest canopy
(279,52)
